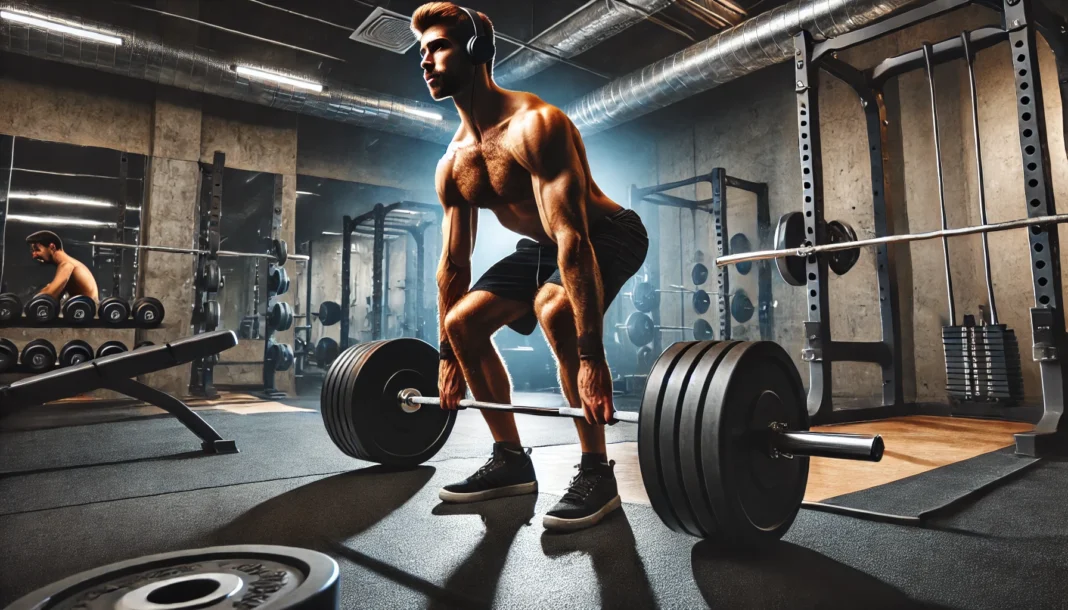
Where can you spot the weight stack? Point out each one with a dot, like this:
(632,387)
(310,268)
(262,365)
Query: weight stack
(982,364)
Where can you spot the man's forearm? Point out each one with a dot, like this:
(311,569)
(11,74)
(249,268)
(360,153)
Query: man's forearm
(582,282)
(452,286)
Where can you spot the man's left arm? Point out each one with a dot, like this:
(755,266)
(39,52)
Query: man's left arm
(58,284)
(548,149)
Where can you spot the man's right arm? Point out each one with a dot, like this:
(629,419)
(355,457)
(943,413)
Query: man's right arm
(458,228)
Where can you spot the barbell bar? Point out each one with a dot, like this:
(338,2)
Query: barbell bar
(176,250)
(723,443)
(803,251)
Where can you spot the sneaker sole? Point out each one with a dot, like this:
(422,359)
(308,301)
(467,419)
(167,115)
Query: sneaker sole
(570,525)
(489,494)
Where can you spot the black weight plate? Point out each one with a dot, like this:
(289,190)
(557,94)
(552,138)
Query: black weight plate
(326,351)
(10,307)
(371,415)
(75,352)
(113,311)
(841,261)
(9,354)
(689,438)
(640,329)
(212,276)
(148,312)
(741,307)
(790,233)
(754,496)
(645,358)
(671,410)
(39,356)
(645,297)
(285,357)
(740,244)
(701,301)
(699,274)
(702,330)
(212,315)
(281,316)
(42,309)
(246,576)
(280,251)
(79,310)
(329,313)
(331,399)
(110,348)
(649,435)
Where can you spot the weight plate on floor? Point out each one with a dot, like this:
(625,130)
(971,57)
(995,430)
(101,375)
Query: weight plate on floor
(148,312)
(234,577)
(699,274)
(645,297)
(640,329)
(740,244)
(645,357)
(841,261)
(702,330)
(10,307)
(363,390)
(329,313)
(741,306)
(326,352)
(649,433)
(754,496)
(79,310)
(701,301)
(9,355)
(75,352)
(114,311)
(789,234)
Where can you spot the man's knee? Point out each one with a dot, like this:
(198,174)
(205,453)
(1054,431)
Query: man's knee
(553,308)
(470,322)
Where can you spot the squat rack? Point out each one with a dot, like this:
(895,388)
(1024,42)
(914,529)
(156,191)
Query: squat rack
(384,221)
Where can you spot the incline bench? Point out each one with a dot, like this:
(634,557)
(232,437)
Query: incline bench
(116,372)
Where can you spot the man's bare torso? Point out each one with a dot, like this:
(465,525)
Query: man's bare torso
(81,281)
(487,175)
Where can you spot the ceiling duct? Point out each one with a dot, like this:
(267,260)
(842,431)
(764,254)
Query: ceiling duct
(589,26)
(147,58)
(756,43)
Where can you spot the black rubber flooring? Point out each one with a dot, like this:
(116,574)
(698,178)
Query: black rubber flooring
(399,547)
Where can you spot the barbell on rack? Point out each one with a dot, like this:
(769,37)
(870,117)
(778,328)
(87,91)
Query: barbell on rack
(723,438)
(279,250)
(641,330)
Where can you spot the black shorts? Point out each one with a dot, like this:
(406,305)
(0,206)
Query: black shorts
(620,243)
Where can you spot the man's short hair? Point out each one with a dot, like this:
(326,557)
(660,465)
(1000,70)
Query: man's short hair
(45,238)
(452,17)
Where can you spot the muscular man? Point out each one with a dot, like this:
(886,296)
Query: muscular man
(523,160)
(72,277)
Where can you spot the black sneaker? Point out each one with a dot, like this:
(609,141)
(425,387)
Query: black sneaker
(508,473)
(591,496)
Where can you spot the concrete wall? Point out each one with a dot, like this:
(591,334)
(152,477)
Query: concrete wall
(749,127)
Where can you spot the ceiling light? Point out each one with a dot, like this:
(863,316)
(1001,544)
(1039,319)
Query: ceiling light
(278,78)
(61,221)
(95,203)
(425,114)
(307,193)
(59,27)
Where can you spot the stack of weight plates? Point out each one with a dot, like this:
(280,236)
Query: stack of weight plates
(982,363)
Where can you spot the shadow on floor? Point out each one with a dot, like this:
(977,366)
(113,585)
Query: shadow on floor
(185,455)
(787,576)
(610,545)
(329,510)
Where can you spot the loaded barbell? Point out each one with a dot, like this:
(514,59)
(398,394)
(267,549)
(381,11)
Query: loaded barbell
(646,297)
(279,250)
(641,330)
(790,233)
(723,440)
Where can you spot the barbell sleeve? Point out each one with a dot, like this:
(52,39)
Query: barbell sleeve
(823,444)
(759,255)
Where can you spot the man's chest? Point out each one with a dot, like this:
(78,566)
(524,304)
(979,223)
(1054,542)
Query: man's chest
(486,173)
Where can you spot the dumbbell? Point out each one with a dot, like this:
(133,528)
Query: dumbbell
(79,310)
(39,356)
(646,297)
(641,329)
(42,309)
(110,348)
(148,312)
(280,316)
(75,352)
(329,313)
(280,355)
(114,311)
(9,355)
(10,307)
(278,280)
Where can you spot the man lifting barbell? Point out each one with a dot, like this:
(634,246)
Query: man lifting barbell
(72,276)
(523,159)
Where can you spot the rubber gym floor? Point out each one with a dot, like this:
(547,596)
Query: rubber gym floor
(78,492)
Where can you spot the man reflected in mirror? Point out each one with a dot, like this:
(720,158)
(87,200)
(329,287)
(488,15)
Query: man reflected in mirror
(72,277)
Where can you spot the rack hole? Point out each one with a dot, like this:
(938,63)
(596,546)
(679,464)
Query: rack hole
(808,199)
(1039,247)
(808,185)
(1021,58)
(1023,72)
(1037,230)
(1024,86)
(813,308)
(1042,281)
(1025,100)
(805,147)
(1019,44)
(1032,166)
(1028,133)
(804,158)
(1040,265)
(1027,116)
(807,171)
(808,213)
(1030,150)
(810,230)
(1032,183)
(1043,299)
(812,277)
(812,292)
(804,123)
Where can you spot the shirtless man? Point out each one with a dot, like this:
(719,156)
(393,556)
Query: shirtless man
(72,277)
(523,159)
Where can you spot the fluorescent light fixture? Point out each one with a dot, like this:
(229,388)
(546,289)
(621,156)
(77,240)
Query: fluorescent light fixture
(61,221)
(52,198)
(307,193)
(331,234)
(278,78)
(59,27)
(426,114)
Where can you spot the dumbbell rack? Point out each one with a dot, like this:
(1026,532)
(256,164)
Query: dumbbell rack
(1020,20)
(720,181)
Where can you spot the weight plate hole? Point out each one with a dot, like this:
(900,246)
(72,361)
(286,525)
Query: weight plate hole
(184,592)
